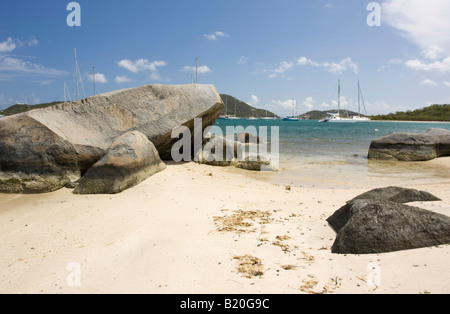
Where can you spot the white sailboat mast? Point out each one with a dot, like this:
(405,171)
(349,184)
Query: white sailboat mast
(339,97)
(359,100)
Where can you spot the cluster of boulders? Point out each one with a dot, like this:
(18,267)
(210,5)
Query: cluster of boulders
(106,143)
(245,151)
(110,142)
(379,221)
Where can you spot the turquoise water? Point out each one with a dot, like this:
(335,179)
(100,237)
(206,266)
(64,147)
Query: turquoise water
(317,153)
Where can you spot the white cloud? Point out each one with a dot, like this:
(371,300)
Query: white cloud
(11,44)
(14,65)
(329,5)
(201,70)
(27,43)
(283,67)
(344,65)
(437,66)
(8,45)
(122,79)
(141,65)
(306,61)
(428,82)
(99,78)
(243,60)
(389,64)
(344,103)
(425,23)
(308,103)
(283,104)
(254,101)
(333,67)
(215,36)
(433,53)
(446,83)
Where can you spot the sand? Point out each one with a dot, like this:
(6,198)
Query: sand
(200,229)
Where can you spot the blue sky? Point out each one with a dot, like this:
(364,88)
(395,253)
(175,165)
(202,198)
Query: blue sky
(264,52)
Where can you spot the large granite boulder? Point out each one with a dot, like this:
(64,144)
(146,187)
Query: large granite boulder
(42,150)
(369,224)
(130,159)
(411,147)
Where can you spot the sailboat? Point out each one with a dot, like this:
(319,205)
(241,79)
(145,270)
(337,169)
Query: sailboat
(267,117)
(292,118)
(358,118)
(336,117)
(78,80)
(235,117)
(225,117)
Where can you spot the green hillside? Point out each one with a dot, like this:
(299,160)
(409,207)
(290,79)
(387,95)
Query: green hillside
(431,113)
(19,108)
(243,110)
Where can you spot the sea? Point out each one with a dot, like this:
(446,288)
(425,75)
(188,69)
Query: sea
(328,155)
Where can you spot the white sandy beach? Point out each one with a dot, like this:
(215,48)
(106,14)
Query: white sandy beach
(163,236)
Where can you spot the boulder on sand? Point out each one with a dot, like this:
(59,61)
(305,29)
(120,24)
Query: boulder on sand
(44,149)
(432,144)
(244,152)
(398,195)
(369,224)
(130,159)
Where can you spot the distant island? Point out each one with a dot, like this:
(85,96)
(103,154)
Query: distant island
(237,108)
(440,113)
(19,108)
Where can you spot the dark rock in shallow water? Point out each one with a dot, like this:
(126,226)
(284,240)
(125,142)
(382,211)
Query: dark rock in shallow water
(411,147)
(379,226)
(44,149)
(130,159)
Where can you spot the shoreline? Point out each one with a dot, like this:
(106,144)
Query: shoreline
(403,121)
(167,235)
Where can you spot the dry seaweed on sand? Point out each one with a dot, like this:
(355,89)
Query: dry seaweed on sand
(242,221)
(250,266)
(281,244)
(289,267)
(309,284)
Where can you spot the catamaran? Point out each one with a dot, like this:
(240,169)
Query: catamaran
(336,117)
